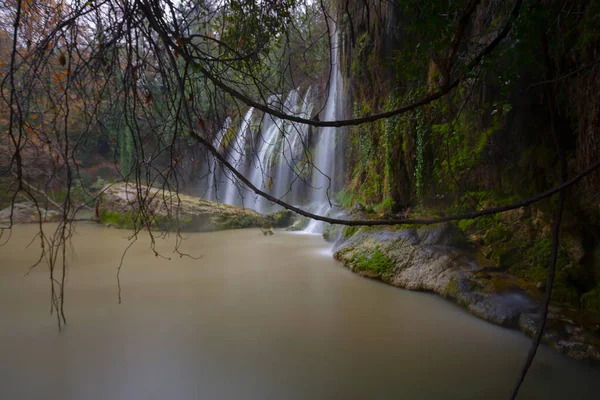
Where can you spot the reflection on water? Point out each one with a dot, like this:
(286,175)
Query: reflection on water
(258,317)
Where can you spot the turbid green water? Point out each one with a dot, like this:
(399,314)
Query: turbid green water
(256,318)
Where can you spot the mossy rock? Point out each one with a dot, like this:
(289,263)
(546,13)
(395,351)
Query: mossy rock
(300,224)
(119,206)
(374,261)
(283,218)
(331,232)
(447,234)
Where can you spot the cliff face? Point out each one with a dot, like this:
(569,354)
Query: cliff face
(496,138)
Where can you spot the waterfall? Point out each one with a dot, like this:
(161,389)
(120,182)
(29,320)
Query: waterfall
(269,145)
(237,151)
(213,176)
(324,160)
(287,186)
(274,156)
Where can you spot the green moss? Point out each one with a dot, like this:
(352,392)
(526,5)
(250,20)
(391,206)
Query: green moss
(238,221)
(531,264)
(497,234)
(350,231)
(452,289)
(591,300)
(376,262)
(125,220)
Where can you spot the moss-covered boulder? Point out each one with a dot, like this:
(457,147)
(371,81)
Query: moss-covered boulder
(283,218)
(131,207)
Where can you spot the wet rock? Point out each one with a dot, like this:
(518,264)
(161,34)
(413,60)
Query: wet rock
(331,232)
(283,218)
(447,234)
(300,224)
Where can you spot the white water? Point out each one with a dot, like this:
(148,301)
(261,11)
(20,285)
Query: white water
(213,185)
(275,161)
(236,158)
(325,155)
(286,185)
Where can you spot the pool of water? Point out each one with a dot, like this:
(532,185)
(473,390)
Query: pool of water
(257,317)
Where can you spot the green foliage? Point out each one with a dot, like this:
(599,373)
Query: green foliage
(85,178)
(344,198)
(350,231)
(532,264)
(591,300)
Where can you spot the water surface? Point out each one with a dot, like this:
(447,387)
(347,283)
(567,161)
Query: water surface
(258,317)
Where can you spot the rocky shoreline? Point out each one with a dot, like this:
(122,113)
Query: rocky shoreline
(438,259)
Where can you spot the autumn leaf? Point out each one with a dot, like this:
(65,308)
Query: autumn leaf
(148,99)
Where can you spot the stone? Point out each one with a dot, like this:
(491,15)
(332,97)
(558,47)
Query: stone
(170,211)
(447,234)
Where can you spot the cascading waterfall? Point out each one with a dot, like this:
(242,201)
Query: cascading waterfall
(213,176)
(287,185)
(236,158)
(275,156)
(324,160)
(269,145)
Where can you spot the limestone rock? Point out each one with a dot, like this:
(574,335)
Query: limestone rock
(119,205)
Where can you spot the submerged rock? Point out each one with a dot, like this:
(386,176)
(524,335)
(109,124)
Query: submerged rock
(127,206)
(436,259)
